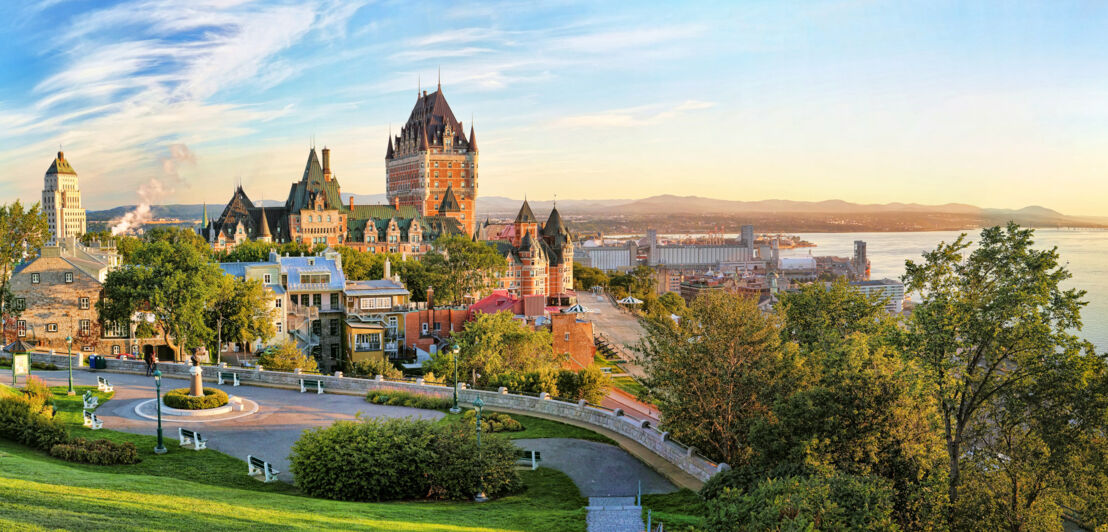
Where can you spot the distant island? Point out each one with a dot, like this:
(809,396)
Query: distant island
(694,214)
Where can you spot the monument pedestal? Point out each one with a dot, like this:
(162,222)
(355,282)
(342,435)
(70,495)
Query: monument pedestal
(196,384)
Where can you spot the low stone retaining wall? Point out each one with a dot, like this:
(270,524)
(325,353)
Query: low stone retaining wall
(684,457)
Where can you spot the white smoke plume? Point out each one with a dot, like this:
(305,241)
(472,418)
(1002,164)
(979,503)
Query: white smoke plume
(155,189)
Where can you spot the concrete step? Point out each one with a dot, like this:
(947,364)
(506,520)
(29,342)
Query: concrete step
(614,514)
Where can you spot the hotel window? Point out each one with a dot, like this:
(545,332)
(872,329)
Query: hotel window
(82,303)
(567,337)
(51,327)
(436,165)
(21,328)
(34,278)
(450,165)
(267,278)
(69,277)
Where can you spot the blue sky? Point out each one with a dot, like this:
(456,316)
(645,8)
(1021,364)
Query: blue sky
(999,104)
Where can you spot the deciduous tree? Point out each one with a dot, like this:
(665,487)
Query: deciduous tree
(22,232)
(459,267)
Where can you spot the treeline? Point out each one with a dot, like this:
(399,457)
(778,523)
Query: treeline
(980,411)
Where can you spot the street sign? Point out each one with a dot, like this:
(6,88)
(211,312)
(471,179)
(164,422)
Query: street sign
(21,365)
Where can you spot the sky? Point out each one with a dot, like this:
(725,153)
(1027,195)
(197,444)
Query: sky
(996,104)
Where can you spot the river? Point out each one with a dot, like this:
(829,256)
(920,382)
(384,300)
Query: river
(1084,252)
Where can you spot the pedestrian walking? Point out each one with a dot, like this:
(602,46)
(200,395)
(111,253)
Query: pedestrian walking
(149,358)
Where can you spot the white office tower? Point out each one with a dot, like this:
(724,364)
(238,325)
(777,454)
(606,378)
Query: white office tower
(61,201)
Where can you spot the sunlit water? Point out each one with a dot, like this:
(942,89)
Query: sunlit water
(1085,254)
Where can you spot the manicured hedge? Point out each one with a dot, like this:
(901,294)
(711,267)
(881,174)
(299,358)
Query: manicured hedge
(413,400)
(401,459)
(492,421)
(98,452)
(179,398)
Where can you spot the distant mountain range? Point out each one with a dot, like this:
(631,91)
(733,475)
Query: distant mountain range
(659,207)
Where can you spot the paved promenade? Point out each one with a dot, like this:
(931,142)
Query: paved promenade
(597,469)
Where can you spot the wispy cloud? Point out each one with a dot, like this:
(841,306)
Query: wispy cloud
(646,115)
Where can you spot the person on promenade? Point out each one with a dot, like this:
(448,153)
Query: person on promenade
(149,358)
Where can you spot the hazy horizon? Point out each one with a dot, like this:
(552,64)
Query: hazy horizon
(998,106)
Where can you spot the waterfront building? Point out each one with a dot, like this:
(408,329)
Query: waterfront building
(61,200)
(889,290)
(269,275)
(432,159)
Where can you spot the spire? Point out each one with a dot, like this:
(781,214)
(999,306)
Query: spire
(449,201)
(204,220)
(389,154)
(440,79)
(472,139)
(525,215)
(264,231)
(423,143)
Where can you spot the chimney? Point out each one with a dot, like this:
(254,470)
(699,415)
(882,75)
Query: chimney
(396,202)
(430,297)
(327,164)
(388,269)
(351,202)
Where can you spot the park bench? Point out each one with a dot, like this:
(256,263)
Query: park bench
(257,466)
(188,437)
(318,385)
(92,422)
(91,401)
(229,375)
(528,459)
(103,385)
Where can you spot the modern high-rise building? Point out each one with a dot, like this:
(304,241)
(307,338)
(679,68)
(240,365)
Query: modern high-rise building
(61,201)
(432,165)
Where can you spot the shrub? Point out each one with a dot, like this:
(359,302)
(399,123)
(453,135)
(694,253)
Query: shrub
(412,400)
(492,421)
(287,357)
(837,502)
(400,459)
(372,368)
(179,398)
(98,452)
(37,391)
(20,422)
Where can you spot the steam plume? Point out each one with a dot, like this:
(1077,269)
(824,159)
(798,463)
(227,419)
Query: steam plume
(155,189)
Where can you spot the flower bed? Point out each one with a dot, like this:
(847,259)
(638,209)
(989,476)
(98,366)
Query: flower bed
(179,398)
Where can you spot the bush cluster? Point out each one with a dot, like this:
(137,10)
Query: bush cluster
(399,459)
(98,452)
(179,398)
(590,384)
(413,400)
(492,421)
(23,420)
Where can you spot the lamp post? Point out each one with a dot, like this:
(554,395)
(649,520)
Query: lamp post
(454,350)
(160,449)
(69,350)
(478,405)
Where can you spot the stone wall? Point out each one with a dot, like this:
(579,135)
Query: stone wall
(685,458)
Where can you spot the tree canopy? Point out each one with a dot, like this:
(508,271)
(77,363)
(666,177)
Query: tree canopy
(21,232)
(494,344)
(459,267)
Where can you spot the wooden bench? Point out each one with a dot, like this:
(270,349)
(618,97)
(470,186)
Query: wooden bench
(229,375)
(103,385)
(528,459)
(188,437)
(91,401)
(257,466)
(92,422)
(318,385)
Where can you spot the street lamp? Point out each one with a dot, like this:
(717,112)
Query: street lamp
(160,449)
(454,350)
(69,349)
(478,405)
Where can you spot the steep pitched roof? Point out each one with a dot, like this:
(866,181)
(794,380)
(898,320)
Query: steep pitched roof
(313,183)
(525,215)
(60,166)
(554,225)
(390,152)
(429,120)
(472,139)
(449,201)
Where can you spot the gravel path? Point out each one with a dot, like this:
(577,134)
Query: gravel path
(598,469)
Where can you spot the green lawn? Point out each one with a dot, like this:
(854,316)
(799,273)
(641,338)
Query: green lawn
(211,491)
(678,510)
(535,427)
(629,385)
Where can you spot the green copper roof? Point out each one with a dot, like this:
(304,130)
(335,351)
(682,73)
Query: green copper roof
(60,166)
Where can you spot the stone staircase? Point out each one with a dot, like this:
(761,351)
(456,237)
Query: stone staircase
(614,514)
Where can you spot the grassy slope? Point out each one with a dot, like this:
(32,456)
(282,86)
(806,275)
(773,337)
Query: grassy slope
(534,427)
(678,510)
(211,491)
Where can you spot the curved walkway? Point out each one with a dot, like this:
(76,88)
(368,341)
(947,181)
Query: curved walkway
(598,469)
(282,414)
